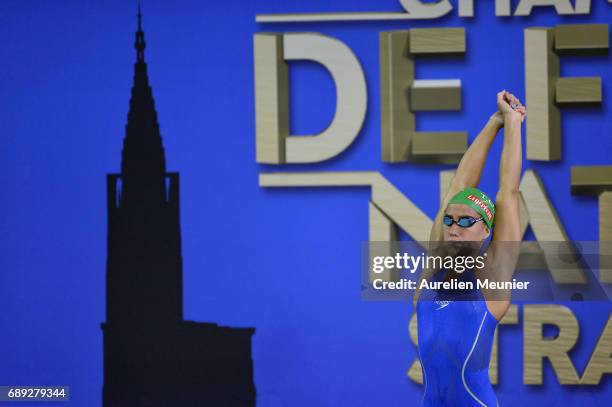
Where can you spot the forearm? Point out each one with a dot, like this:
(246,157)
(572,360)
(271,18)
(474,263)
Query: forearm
(473,160)
(511,158)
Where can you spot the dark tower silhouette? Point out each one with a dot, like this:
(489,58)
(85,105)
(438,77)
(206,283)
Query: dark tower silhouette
(151,356)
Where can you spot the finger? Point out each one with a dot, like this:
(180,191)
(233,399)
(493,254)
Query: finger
(512,100)
(516,105)
(518,101)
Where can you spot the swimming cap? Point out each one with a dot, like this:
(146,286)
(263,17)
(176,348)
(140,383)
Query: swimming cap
(477,200)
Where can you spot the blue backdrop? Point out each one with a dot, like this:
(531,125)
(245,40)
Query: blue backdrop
(285,261)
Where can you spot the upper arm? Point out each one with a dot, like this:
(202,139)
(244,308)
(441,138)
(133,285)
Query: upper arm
(507,216)
(503,252)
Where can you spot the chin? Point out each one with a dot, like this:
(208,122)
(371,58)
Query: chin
(453,246)
(460,247)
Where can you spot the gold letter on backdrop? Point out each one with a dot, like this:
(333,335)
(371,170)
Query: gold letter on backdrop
(536,348)
(401,95)
(387,199)
(601,359)
(583,7)
(271,98)
(426,11)
(543,127)
(547,227)
(502,8)
(388,206)
(546,89)
(597,180)
(563,7)
(274,144)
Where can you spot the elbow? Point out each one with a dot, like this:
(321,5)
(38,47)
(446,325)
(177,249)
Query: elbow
(460,182)
(506,193)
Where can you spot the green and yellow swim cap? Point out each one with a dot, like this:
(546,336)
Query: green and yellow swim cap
(477,200)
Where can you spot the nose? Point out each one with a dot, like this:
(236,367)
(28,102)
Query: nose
(454,230)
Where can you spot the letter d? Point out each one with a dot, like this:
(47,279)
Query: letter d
(274,144)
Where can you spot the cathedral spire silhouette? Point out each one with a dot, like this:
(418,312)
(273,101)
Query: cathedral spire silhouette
(140,43)
(152,357)
(143,157)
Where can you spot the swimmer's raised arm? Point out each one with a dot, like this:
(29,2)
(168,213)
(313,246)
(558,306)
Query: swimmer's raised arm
(507,225)
(504,251)
(470,167)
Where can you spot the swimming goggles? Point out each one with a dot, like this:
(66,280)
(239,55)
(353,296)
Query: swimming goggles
(462,222)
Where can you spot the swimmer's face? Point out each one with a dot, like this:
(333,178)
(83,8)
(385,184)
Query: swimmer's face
(454,233)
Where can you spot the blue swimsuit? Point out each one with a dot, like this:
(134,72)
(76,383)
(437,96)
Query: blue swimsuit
(455,341)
